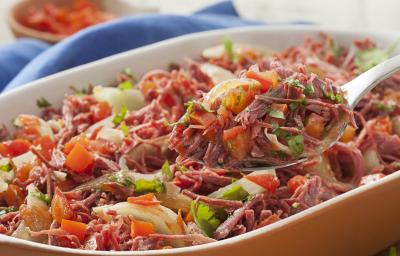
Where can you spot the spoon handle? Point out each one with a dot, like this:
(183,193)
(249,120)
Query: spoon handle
(361,85)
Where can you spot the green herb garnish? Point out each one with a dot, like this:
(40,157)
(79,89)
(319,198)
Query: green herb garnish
(309,90)
(120,116)
(7,210)
(127,85)
(235,193)
(43,103)
(166,170)
(368,58)
(294,83)
(6,168)
(276,114)
(296,145)
(125,130)
(228,44)
(143,186)
(387,108)
(295,205)
(185,119)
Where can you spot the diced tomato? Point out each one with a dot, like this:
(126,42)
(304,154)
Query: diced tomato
(14,195)
(282,108)
(145,200)
(267,181)
(349,134)
(296,182)
(371,178)
(202,118)
(100,111)
(238,142)
(22,173)
(14,148)
(60,207)
(79,159)
(46,146)
(141,228)
(268,79)
(81,139)
(75,228)
(315,125)
(146,86)
(383,125)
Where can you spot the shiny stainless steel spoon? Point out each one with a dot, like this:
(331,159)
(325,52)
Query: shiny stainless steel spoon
(354,90)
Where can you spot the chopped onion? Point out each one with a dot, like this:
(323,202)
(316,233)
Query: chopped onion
(111,134)
(274,140)
(163,218)
(6,176)
(3,185)
(132,98)
(173,199)
(371,159)
(24,159)
(216,73)
(105,123)
(61,176)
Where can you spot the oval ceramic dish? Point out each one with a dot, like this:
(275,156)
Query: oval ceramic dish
(360,222)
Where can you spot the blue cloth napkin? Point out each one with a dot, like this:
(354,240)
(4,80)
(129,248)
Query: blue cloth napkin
(27,60)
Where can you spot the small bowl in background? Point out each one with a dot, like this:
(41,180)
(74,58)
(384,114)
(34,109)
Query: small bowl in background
(20,10)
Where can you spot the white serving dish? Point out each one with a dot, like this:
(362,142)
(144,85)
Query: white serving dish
(360,222)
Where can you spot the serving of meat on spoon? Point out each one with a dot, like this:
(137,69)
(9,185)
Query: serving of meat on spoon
(271,118)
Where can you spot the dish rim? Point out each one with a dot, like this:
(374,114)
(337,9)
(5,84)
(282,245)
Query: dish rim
(16,242)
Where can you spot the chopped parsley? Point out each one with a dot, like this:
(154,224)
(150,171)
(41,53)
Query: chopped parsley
(120,116)
(185,119)
(181,168)
(294,83)
(337,98)
(276,114)
(43,103)
(166,170)
(126,85)
(309,90)
(368,58)
(143,186)
(278,131)
(235,193)
(388,107)
(296,145)
(6,168)
(228,45)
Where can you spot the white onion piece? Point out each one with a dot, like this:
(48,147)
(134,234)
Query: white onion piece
(111,134)
(24,159)
(105,123)
(32,199)
(216,73)
(371,159)
(132,98)
(173,199)
(249,186)
(3,185)
(61,176)
(396,125)
(163,218)
(274,140)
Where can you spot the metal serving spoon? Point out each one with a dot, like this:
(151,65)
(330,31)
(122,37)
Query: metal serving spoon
(354,91)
